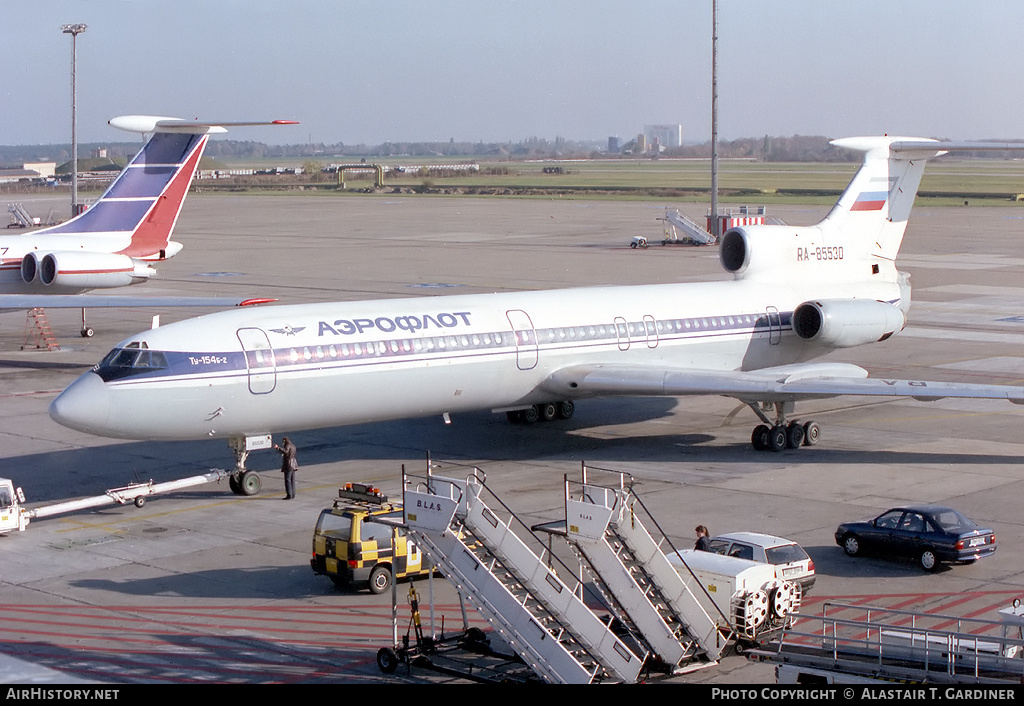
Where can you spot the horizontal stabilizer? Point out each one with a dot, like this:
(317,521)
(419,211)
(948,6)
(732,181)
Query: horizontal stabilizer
(153,123)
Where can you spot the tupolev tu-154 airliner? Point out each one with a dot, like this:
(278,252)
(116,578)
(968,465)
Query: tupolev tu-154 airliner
(795,294)
(116,241)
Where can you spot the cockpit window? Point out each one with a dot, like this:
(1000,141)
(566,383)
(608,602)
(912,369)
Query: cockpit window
(133,359)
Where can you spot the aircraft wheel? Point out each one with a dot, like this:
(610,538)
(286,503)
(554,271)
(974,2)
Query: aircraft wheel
(794,435)
(87,332)
(387,660)
(548,411)
(759,439)
(777,438)
(139,501)
(812,433)
(515,416)
(530,415)
(233,484)
(250,483)
(566,409)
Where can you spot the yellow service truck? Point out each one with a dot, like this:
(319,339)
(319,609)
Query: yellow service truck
(355,551)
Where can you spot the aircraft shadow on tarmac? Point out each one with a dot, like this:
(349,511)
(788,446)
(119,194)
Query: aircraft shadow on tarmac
(604,432)
(248,583)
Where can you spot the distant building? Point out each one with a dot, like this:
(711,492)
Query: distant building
(665,135)
(45,169)
(614,144)
(38,171)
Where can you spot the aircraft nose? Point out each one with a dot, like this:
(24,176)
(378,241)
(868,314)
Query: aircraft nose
(84,405)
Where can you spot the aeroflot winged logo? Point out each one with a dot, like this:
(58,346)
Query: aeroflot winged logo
(385,324)
(288,330)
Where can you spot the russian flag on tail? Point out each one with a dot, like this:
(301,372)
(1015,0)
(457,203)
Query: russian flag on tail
(870,201)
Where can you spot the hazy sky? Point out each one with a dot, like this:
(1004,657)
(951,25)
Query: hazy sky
(369,71)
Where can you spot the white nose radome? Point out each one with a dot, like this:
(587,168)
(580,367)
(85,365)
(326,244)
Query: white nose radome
(84,406)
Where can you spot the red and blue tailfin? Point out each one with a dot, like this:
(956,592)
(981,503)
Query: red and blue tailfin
(143,202)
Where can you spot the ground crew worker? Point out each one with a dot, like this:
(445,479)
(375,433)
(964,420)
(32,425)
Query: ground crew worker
(289,464)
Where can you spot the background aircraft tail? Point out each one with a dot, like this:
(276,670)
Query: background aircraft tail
(145,199)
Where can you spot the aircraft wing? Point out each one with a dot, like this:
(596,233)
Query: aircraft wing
(100,301)
(780,384)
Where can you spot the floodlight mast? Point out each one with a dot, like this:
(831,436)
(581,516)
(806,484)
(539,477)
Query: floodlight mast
(74,30)
(715,228)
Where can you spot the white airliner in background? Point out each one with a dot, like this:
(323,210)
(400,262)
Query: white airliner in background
(114,242)
(795,294)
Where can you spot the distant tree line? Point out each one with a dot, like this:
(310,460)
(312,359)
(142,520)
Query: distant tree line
(798,148)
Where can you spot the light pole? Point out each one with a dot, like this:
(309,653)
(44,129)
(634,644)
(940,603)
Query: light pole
(715,229)
(74,30)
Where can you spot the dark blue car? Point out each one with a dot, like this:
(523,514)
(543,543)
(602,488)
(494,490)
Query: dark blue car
(930,534)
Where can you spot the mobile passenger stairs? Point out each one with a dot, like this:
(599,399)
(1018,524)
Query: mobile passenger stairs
(680,229)
(849,644)
(536,603)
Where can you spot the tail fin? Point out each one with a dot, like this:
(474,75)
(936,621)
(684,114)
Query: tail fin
(862,233)
(877,203)
(143,202)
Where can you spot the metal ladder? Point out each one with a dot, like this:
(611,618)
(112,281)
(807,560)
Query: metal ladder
(540,616)
(601,523)
(38,333)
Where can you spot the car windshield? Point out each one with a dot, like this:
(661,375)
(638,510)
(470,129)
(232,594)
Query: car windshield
(952,521)
(786,554)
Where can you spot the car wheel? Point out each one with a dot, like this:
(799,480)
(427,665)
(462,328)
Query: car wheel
(380,579)
(851,545)
(928,560)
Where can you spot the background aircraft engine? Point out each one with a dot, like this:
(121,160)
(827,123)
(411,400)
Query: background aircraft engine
(83,270)
(842,323)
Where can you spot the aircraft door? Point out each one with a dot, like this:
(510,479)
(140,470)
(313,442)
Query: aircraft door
(526,338)
(651,329)
(259,360)
(774,326)
(622,333)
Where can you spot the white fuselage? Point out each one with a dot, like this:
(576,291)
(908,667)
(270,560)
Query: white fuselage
(323,365)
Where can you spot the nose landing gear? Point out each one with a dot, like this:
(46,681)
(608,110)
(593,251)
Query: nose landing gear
(242,480)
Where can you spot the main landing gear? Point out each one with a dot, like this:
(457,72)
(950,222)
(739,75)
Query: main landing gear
(542,412)
(779,435)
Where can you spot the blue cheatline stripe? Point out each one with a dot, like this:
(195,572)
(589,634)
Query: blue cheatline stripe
(333,354)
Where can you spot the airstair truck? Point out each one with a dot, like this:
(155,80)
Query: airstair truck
(757,604)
